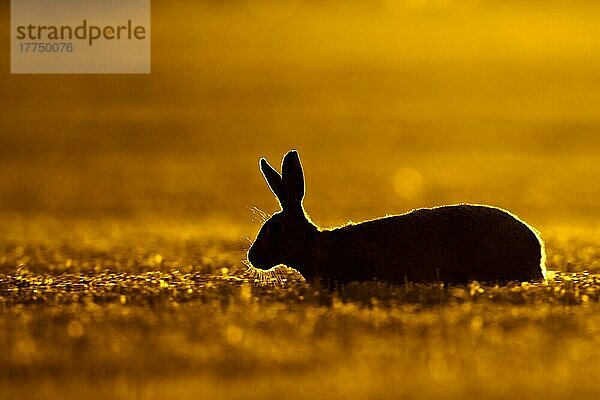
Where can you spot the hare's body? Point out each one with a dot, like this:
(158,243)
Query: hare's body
(450,243)
(454,243)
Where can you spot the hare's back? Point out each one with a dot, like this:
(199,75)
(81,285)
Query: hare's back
(467,242)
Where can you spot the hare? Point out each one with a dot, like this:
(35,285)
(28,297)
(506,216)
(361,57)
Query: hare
(453,243)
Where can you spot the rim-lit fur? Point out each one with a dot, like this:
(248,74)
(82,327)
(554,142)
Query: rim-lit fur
(453,243)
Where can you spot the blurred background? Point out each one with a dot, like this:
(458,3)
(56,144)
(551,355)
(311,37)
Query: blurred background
(392,104)
(125,202)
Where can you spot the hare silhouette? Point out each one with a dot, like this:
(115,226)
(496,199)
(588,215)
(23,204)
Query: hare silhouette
(451,243)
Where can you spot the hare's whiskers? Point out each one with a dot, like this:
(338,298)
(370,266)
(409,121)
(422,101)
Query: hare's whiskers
(258,213)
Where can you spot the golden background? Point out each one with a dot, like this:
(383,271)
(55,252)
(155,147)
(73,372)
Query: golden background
(125,203)
(482,101)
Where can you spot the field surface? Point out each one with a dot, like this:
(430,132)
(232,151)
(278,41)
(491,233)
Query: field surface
(128,310)
(127,203)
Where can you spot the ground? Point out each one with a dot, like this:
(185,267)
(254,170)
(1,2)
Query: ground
(157,312)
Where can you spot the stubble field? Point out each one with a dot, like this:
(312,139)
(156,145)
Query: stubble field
(126,310)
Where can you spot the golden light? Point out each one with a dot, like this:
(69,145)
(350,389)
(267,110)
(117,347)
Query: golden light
(408,182)
(272,10)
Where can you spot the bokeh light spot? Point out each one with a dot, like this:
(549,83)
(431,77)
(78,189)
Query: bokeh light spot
(408,182)
(233,334)
(75,329)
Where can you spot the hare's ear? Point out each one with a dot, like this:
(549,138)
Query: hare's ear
(293,178)
(273,180)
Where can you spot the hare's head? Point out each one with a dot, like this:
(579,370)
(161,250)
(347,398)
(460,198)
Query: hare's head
(284,237)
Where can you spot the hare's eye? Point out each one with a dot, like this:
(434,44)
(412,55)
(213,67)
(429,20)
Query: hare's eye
(276,228)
